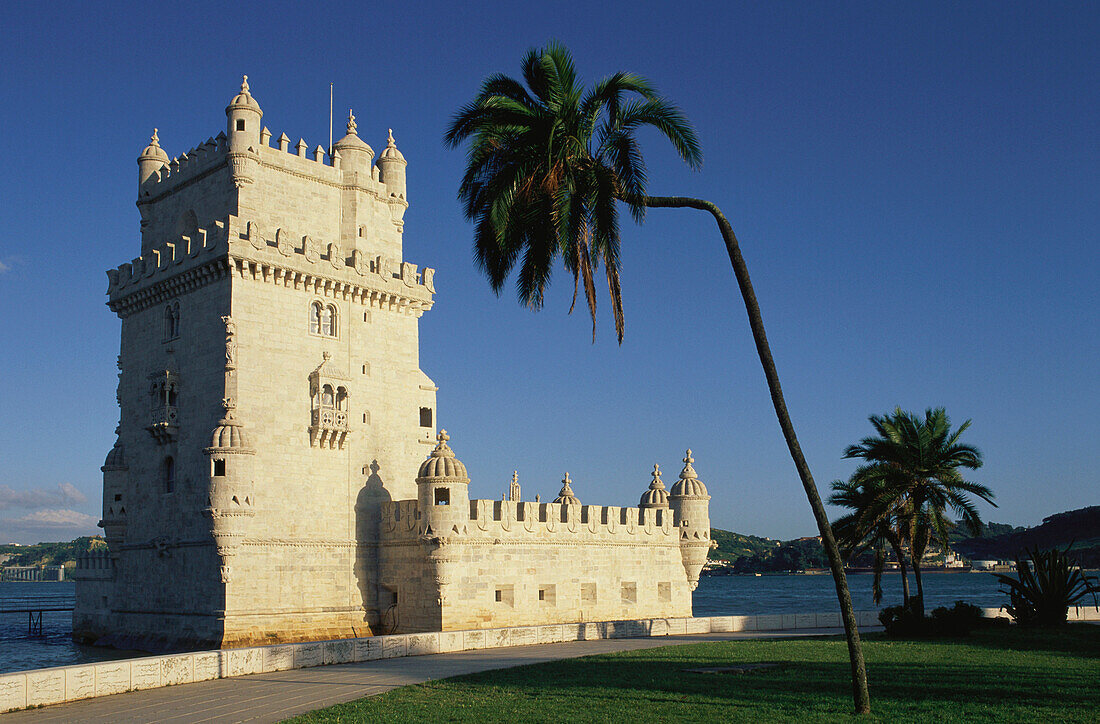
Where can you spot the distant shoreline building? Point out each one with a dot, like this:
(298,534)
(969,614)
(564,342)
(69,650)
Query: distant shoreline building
(269,481)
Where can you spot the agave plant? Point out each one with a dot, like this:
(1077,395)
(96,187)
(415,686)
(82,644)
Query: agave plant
(1047,583)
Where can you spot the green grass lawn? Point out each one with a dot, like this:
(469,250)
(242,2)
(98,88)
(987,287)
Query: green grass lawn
(1001,675)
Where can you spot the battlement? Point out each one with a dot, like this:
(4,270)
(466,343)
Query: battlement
(299,158)
(281,257)
(195,162)
(403,520)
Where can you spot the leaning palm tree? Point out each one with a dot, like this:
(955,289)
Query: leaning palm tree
(870,526)
(915,464)
(548,165)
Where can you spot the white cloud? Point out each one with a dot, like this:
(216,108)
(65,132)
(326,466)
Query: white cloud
(53,524)
(65,495)
(4,267)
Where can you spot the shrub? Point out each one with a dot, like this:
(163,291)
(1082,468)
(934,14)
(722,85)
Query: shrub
(902,621)
(1047,583)
(959,620)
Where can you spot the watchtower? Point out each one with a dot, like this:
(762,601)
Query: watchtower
(269,389)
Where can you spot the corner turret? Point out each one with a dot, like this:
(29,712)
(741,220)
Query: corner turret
(354,153)
(115,474)
(656,496)
(690,506)
(152,159)
(242,130)
(443,492)
(565,495)
(391,165)
(230,487)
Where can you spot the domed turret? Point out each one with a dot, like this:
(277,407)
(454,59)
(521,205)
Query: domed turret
(243,116)
(656,496)
(228,434)
(392,164)
(690,505)
(151,160)
(565,495)
(355,153)
(115,475)
(230,488)
(443,492)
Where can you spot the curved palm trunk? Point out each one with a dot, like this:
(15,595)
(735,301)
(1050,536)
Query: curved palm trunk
(756,323)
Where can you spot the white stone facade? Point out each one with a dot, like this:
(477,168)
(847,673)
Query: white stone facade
(264,487)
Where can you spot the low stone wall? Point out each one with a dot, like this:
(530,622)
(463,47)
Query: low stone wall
(71,683)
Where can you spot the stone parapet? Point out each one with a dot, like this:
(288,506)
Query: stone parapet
(246,250)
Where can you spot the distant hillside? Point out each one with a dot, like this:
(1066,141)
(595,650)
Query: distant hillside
(1080,527)
(749,554)
(49,554)
(732,546)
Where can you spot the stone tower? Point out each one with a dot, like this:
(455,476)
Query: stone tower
(270,393)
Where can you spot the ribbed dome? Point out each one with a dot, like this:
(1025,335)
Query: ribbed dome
(390,152)
(689,485)
(442,464)
(116,458)
(229,434)
(153,152)
(565,495)
(352,140)
(244,99)
(656,496)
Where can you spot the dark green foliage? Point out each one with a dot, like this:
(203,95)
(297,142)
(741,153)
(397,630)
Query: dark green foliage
(908,622)
(909,479)
(50,554)
(1047,583)
(902,621)
(734,546)
(547,166)
(959,620)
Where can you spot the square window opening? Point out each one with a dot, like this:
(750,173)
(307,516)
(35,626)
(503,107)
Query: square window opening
(425,417)
(442,496)
(219,468)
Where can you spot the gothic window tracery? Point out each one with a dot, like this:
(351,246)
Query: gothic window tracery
(329,402)
(323,319)
(172,321)
(163,403)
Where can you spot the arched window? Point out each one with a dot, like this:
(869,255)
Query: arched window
(327,398)
(341,398)
(315,318)
(172,321)
(169,473)
(172,394)
(328,321)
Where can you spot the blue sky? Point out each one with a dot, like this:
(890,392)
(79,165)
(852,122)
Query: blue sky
(916,190)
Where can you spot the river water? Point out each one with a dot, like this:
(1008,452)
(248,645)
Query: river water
(716,596)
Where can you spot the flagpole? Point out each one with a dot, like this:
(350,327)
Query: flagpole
(330,122)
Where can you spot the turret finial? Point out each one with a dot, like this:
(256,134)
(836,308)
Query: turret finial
(390,143)
(688,472)
(656,483)
(443,436)
(154,140)
(244,84)
(351,122)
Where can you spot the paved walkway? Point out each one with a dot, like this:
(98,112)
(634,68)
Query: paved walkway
(275,696)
